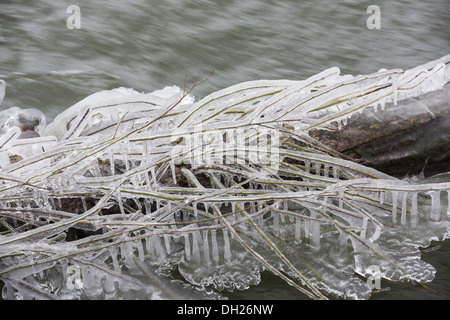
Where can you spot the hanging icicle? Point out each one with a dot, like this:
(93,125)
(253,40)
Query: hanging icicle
(395,195)
(414,209)
(448,203)
(404,208)
(215,246)
(206,252)
(315,232)
(226,246)
(196,241)
(172,169)
(435,213)
(298,230)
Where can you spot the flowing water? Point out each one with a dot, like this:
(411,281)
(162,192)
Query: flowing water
(148,44)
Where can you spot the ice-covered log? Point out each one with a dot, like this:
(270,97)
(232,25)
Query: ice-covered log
(119,197)
(408,139)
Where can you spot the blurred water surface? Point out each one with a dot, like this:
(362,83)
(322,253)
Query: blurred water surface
(148,44)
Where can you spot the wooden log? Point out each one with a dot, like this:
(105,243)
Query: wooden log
(411,138)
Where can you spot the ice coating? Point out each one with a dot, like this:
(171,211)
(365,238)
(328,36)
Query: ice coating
(111,105)
(116,176)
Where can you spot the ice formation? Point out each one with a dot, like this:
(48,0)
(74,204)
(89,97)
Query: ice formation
(113,200)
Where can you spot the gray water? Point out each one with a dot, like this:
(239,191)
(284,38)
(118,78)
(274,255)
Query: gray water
(147,45)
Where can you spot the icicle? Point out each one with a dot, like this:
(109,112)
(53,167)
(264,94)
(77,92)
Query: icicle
(326,171)
(159,249)
(382,104)
(342,239)
(83,201)
(215,247)
(233,207)
(155,248)
(376,234)
(109,285)
(172,168)
(140,249)
(282,218)
(167,240)
(448,203)
(194,205)
(119,201)
(414,210)
(226,246)
(260,205)
(395,88)
(435,214)
(148,245)
(126,250)
(206,247)
(394,205)
(317,168)
(195,246)
(298,230)
(64,268)
(307,166)
(187,247)
(335,173)
(276,223)
(404,208)
(306,228)
(113,253)
(125,153)
(291,218)
(315,233)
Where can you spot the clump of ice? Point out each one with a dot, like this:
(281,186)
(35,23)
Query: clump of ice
(11,118)
(171,91)
(111,104)
(34,118)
